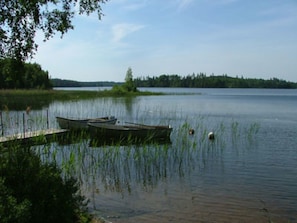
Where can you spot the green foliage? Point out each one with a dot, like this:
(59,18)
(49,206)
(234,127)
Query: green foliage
(127,88)
(10,209)
(20,20)
(118,90)
(31,191)
(203,81)
(129,84)
(17,74)
(129,75)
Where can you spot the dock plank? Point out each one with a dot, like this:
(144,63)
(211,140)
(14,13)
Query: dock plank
(47,133)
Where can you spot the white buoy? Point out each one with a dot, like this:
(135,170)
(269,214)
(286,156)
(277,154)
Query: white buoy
(211,136)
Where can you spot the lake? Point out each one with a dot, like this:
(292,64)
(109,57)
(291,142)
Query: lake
(247,174)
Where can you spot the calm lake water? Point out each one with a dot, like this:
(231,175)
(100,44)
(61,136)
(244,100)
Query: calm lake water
(247,174)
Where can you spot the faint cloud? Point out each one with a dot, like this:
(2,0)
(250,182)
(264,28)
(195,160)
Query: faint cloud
(122,30)
(130,5)
(278,10)
(226,2)
(136,6)
(183,4)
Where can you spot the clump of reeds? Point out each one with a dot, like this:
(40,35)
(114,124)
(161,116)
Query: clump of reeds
(13,122)
(119,166)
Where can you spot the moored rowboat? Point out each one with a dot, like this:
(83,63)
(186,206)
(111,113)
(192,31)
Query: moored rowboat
(103,131)
(79,124)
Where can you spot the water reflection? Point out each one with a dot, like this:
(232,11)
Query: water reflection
(119,166)
(252,159)
(127,101)
(127,142)
(16,103)
(124,109)
(113,173)
(13,122)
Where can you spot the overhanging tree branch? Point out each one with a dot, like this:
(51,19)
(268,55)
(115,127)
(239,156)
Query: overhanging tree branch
(20,20)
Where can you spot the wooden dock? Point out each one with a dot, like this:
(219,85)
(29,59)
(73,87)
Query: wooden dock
(33,137)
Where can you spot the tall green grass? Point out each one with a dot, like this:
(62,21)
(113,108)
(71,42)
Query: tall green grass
(121,168)
(119,165)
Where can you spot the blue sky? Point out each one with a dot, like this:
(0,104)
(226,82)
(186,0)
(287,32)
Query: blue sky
(249,38)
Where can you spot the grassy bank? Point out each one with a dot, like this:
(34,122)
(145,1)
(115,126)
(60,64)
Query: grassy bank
(71,94)
(21,99)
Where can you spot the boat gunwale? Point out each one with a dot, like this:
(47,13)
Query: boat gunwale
(129,127)
(106,118)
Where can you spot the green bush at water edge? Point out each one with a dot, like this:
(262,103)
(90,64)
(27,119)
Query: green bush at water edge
(31,191)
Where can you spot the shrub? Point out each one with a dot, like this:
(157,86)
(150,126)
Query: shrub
(118,90)
(31,191)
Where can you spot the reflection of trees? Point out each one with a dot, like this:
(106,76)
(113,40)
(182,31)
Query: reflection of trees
(128,102)
(19,103)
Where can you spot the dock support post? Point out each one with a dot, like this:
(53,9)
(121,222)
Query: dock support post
(24,127)
(47,122)
(2,127)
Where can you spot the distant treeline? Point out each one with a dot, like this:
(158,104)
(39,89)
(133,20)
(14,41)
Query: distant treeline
(70,83)
(15,74)
(201,80)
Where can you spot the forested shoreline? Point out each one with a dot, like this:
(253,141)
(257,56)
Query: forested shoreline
(191,81)
(201,80)
(20,75)
(72,83)
(15,74)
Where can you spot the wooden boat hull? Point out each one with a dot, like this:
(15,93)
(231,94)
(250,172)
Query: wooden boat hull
(82,124)
(103,132)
